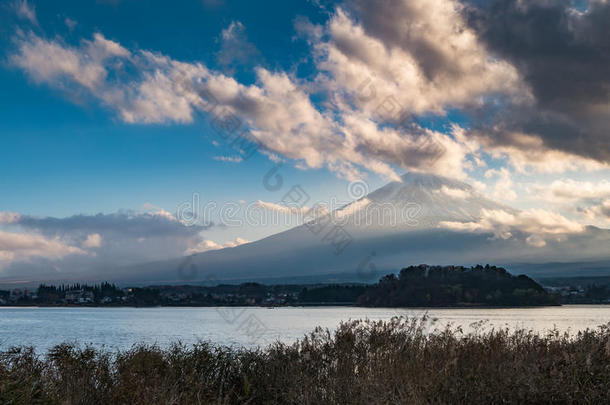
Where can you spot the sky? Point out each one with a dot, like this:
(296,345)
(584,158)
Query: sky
(117,116)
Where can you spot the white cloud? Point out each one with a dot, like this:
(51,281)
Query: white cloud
(537,224)
(81,243)
(504,186)
(528,154)
(389,61)
(572,190)
(352,208)
(379,65)
(238,241)
(536,241)
(22,246)
(154,99)
(599,212)
(26,11)
(51,62)
(203,246)
(455,192)
(421,53)
(207,245)
(590,200)
(8,217)
(165,214)
(149,97)
(277,108)
(235,48)
(281,208)
(232,159)
(93,240)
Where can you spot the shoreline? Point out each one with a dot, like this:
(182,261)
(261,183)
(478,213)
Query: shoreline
(330,305)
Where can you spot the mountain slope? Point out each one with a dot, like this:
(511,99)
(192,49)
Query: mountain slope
(394,226)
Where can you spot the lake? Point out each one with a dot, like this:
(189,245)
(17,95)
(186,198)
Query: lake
(120,328)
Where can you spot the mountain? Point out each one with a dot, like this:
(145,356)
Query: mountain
(397,225)
(440,199)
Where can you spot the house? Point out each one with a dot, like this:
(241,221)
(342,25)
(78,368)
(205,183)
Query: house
(16,295)
(79,296)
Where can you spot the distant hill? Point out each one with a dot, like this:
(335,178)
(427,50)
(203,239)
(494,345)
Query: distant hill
(454,286)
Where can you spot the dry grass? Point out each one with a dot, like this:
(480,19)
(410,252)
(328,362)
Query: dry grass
(363,362)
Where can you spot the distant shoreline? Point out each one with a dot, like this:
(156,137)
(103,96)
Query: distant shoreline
(421,286)
(305,305)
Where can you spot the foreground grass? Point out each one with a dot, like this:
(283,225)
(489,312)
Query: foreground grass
(363,362)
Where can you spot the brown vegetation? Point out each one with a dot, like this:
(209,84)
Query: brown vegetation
(363,362)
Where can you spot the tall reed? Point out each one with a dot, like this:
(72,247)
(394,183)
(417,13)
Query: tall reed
(362,362)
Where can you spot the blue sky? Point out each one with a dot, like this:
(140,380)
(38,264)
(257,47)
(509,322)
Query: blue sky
(91,121)
(67,158)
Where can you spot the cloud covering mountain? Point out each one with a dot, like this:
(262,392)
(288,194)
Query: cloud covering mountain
(420,219)
(423,218)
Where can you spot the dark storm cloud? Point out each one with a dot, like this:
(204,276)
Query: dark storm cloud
(563,54)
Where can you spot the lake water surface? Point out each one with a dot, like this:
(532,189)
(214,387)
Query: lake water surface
(120,328)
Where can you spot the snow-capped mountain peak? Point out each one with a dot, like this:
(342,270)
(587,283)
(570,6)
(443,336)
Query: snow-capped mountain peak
(420,201)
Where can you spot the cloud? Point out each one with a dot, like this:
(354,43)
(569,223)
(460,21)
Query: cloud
(23,247)
(454,192)
(350,209)
(101,68)
(128,224)
(421,53)
(276,112)
(93,241)
(207,245)
(8,217)
(537,225)
(26,11)
(70,23)
(503,188)
(588,199)
(232,159)
(568,190)
(121,238)
(51,62)
(280,208)
(235,49)
(562,54)
(380,67)
(383,64)
(598,212)
(528,153)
